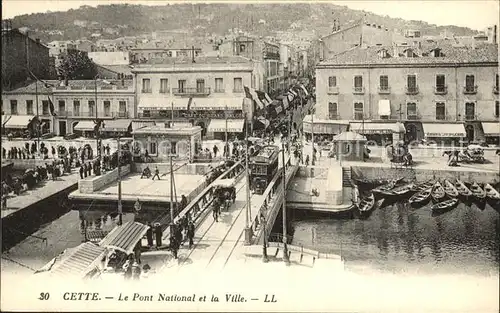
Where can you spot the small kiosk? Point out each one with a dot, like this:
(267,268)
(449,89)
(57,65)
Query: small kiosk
(348,146)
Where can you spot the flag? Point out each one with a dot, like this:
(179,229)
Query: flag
(51,107)
(263,98)
(290,97)
(252,94)
(285,103)
(264,121)
(293,92)
(268,98)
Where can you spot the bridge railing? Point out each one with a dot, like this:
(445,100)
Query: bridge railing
(197,208)
(274,195)
(276,240)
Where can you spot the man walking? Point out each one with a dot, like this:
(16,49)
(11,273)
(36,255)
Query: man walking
(190,233)
(157,173)
(215,149)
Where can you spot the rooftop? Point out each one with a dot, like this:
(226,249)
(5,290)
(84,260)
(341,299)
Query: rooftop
(205,61)
(31,86)
(450,54)
(121,68)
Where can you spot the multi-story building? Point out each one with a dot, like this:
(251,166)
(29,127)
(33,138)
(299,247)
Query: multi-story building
(110,58)
(60,49)
(440,92)
(205,91)
(20,54)
(145,53)
(75,104)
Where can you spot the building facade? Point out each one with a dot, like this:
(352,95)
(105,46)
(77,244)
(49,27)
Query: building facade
(205,93)
(20,53)
(441,92)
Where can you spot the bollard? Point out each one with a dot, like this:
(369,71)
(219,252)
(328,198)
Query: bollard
(158,234)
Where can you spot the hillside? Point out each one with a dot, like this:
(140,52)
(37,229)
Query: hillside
(114,21)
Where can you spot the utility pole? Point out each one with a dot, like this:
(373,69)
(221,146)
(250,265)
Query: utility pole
(37,116)
(226,145)
(172,225)
(285,239)
(120,210)
(248,229)
(312,135)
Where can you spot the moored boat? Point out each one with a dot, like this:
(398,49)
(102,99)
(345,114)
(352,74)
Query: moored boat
(366,204)
(444,206)
(491,192)
(462,189)
(386,188)
(423,186)
(450,189)
(420,198)
(403,190)
(438,194)
(477,191)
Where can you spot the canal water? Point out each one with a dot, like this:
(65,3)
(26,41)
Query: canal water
(399,238)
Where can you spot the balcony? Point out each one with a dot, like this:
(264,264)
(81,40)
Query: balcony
(413,117)
(187,92)
(440,90)
(90,114)
(470,90)
(358,90)
(411,90)
(495,90)
(238,90)
(333,90)
(470,117)
(334,117)
(385,90)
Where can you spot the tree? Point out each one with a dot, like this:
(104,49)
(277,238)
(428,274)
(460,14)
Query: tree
(77,65)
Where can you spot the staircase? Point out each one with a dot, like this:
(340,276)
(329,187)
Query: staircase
(346,177)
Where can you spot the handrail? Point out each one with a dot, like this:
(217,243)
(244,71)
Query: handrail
(276,240)
(201,197)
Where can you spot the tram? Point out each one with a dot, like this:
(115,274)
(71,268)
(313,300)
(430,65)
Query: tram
(263,168)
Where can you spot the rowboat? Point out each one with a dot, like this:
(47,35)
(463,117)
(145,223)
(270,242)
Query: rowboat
(438,194)
(444,206)
(385,190)
(421,197)
(403,190)
(462,189)
(477,191)
(450,189)
(491,192)
(423,186)
(366,204)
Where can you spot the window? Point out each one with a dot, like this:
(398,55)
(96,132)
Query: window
(411,110)
(76,108)
(440,111)
(384,82)
(469,83)
(29,107)
(358,111)
(242,48)
(146,85)
(200,85)
(181,85)
(332,81)
(219,84)
(358,82)
(91,105)
(163,85)
(332,111)
(411,82)
(347,147)
(107,108)
(13,107)
(497,108)
(122,108)
(153,148)
(470,111)
(496,82)
(45,107)
(62,106)
(440,83)
(238,84)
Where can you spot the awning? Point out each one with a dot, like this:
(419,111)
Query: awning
(323,126)
(141,124)
(233,126)
(163,103)
(19,121)
(491,128)
(85,126)
(5,118)
(233,103)
(121,125)
(384,107)
(124,238)
(376,128)
(79,261)
(443,130)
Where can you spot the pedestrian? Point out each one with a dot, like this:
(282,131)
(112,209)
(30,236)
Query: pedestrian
(190,233)
(89,168)
(33,148)
(9,154)
(157,173)
(184,202)
(307,160)
(215,149)
(137,252)
(81,172)
(178,234)
(108,149)
(136,271)
(27,145)
(53,150)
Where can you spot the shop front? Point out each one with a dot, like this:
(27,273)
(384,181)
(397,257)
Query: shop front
(84,129)
(381,133)
(324,130)
(20,126)
(112,127)
(444,133)
(218,128)
(491,132)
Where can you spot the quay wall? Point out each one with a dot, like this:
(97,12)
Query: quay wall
(191,168)
(94,183)
(421,175)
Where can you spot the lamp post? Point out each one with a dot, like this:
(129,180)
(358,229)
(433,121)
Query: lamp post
(120,209)
(172,225)
(285,241)
(312,136)
(248,229)
(265,258)
(97,135)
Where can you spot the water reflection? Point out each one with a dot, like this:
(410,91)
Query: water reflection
(399,237)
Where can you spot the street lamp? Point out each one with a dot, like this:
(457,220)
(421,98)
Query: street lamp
(97,128)
(248,229)
(312,136)
(265,258)
(120,209)
(285,241)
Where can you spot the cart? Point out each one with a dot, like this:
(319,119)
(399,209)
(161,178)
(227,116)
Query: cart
(225,192)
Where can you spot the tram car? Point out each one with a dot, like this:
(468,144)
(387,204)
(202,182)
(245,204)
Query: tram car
(263,168)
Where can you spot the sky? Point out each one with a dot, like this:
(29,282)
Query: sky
(476,14)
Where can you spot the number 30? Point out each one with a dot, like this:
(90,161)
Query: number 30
(44,296)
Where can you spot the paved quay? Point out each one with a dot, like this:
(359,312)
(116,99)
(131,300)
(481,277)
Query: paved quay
(42,191)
